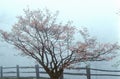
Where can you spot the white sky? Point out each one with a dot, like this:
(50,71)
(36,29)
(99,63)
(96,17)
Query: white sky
(97,15)
(100,16)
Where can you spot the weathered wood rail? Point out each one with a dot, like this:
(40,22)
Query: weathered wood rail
(37,71)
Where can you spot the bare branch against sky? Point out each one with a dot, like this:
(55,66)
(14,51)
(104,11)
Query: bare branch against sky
(98,16)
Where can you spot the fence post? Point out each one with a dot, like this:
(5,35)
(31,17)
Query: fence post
(62,75)
(88,72)
(18,73)
(1,72)
(37,71)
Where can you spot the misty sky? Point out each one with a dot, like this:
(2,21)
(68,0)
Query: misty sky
(99,16)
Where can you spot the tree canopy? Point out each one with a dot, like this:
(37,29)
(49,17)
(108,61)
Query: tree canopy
(53,45)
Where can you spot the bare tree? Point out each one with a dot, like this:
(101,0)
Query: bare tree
(53,45)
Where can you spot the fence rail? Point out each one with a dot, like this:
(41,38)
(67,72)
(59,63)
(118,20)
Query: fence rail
(88,71)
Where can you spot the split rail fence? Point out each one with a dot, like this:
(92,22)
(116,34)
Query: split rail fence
(88,72)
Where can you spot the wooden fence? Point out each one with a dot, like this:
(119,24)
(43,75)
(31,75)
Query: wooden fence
(88,72)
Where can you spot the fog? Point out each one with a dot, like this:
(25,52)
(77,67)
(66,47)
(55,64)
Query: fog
(100,17)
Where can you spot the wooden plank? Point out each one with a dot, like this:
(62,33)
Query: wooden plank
(37,71)
(17,70)
(88,72)
(1,72)
(68,73)
(9,72)
(105,70)
(9,67)
(105,75)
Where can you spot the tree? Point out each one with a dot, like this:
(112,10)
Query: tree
(53,45)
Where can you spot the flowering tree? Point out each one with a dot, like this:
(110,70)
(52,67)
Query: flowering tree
(53,45)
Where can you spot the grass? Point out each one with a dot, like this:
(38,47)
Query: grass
(23,78)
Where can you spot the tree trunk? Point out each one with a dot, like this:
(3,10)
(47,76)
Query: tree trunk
(54,78)
(57,75)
